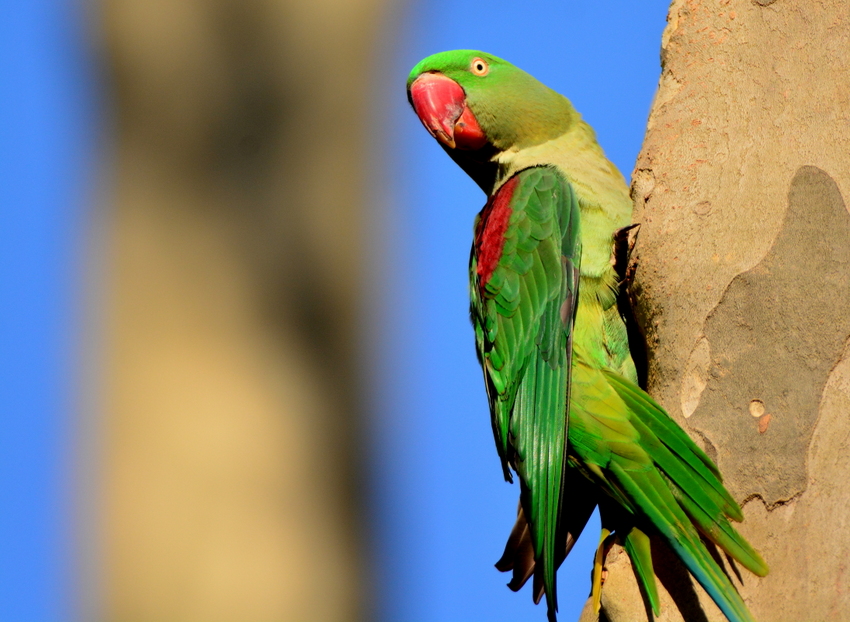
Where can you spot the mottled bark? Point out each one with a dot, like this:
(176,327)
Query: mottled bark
(233,237)
(743,289)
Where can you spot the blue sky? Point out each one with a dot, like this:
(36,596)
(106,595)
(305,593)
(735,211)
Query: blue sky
(45,140)
(443,511)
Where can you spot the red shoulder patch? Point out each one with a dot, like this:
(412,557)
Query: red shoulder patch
(490,233)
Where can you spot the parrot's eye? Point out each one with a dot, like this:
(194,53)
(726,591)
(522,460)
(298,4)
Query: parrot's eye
(479,66)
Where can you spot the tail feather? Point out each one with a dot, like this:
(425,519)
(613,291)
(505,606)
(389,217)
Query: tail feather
(689,475)
(666,481)
(651,495)
(723,534)
(668,432)
(637,546)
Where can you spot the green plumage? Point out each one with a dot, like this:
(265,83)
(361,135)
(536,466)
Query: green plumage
(567,414)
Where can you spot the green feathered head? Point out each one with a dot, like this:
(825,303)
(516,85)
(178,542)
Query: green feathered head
(470,100)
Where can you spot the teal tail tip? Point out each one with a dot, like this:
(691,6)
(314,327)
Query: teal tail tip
(551,609)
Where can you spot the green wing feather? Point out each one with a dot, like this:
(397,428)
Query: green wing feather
(523,319)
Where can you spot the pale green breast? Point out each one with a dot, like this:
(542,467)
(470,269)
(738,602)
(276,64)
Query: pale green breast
(600,333)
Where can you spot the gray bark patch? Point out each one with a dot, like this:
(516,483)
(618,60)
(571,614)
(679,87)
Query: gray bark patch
(775,335)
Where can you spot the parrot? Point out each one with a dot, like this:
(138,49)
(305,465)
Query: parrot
(568,415)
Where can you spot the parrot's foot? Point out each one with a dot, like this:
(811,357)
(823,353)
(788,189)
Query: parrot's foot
(600,573)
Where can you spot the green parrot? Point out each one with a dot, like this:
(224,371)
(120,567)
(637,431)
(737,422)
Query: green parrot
(567,413)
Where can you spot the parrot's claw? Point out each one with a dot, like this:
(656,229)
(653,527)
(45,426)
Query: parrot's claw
(600,573)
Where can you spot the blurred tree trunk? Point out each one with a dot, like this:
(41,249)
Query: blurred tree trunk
(743,289)
(233,274)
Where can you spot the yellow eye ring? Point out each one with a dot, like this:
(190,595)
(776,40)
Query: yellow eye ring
(479,66)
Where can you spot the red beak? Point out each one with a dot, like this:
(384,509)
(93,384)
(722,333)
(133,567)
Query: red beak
(440,104)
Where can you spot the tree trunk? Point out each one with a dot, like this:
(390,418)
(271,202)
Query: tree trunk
(233,281)
(742,288)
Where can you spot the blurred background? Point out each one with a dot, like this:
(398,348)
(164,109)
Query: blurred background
(237,380)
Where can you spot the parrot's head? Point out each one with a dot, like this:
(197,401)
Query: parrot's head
(478,105)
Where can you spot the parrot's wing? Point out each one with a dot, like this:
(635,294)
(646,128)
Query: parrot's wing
(525,277)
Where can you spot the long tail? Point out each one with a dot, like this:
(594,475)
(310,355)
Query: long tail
(647,475)
(681,497)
